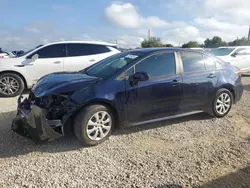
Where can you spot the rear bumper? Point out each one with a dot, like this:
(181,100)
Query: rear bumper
(31,122)
(238,92)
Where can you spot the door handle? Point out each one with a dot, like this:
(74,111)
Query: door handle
(211,75)
(92,60)
(57,62)
(176,82)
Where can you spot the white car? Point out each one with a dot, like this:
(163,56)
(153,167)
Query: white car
(198,49)
(4,55)
(22,72)
(238,56)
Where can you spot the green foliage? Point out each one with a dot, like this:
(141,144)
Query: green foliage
(168,45)
(191,44)
(239,42)
(152,42)
(214,42)
(208,43)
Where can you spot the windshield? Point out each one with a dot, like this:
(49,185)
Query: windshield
(23,54)
(221,51)
(111,65)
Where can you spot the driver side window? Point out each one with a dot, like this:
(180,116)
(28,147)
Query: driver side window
(52,51)
(243,51)
(158,65)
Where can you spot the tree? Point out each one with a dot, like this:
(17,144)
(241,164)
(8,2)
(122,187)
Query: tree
(239,42)
(152,42)
(214,42)
(168,45)
(191,44)
(1,50)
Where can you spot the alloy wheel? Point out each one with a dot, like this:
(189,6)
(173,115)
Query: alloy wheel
(99,125)
(9,85)
(223,103)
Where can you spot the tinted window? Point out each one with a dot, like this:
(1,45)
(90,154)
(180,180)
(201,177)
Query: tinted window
(53,51)
(243,51)
(85,49)
(192,61)
(158,65)
(210,62)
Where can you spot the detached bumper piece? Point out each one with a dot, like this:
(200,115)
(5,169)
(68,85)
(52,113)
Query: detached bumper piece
(31,122)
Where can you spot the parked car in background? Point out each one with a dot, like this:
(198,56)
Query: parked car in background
(24,70)
(129,88)
(3,55)
(198,49)
(235,55)
(6,55)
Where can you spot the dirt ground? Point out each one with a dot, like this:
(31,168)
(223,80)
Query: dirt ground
(194,151)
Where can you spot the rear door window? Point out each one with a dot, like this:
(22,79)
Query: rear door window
(192,61)
(75,49)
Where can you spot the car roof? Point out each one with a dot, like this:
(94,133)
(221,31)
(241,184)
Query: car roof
(234,47)
(152,50)
(83,42)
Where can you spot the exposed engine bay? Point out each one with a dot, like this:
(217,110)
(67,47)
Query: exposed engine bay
(43,118)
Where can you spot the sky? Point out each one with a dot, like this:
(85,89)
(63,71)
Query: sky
(26,24)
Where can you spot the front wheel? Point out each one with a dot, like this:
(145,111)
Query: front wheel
(93,125)
(222,103)
(11,85)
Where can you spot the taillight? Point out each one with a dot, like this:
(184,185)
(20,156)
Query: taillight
(1,57)
(239,73)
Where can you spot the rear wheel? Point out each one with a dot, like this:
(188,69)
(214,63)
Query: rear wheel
(93,125)
(11,85)
(222,103)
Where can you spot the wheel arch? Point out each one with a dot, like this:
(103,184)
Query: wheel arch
(103,102)
(230,88)
(17,73)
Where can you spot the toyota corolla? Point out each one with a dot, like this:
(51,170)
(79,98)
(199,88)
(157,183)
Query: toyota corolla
(126,89)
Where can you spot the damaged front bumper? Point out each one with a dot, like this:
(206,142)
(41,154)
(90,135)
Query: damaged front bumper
(31,122)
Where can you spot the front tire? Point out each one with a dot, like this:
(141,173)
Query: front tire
(93,125)
(11,85)
(222,103)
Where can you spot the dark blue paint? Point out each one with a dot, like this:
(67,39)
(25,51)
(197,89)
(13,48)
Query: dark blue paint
(171,95)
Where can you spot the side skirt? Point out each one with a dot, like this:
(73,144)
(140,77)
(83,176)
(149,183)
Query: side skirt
(165,118)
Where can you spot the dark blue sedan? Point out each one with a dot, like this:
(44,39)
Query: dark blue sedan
(130,88)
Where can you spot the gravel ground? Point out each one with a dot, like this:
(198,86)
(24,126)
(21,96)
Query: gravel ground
(195,151)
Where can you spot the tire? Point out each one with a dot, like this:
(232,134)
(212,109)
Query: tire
(222,103)
(82,123)
(14,82)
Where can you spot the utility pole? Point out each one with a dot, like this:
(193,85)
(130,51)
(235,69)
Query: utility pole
(248,38)
(116,41)
(149,34)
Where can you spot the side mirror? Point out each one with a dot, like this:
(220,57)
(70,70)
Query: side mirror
(138,77)
(234,54)
(34,57)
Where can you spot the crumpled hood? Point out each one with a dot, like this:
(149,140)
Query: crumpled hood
(62,82)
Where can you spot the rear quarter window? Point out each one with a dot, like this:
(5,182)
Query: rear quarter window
(210,63)
(192,61)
